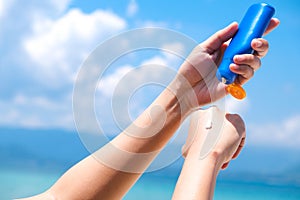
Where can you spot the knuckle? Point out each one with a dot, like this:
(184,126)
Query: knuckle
(258,63)
(251,73)
(249,58)
(265,43)
(248,72)
(238,122)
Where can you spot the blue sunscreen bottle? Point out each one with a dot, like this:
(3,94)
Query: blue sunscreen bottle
(253,25)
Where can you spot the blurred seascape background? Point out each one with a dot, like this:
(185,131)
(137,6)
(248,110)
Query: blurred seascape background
(42,47)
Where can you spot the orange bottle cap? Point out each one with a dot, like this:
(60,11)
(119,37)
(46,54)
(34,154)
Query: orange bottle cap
(236,91)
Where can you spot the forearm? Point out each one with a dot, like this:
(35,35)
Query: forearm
(155,126)
(197,179)
(113,169)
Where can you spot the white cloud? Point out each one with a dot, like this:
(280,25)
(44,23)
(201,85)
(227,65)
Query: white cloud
(4,7)
(156,60)
(50,44)
(132,8)
(116,90)
(48,48)
(108,83)
(292,124)
(31,8)
(57,47)
(1,8)
(150,23)
(281,134)
(37,112)
(175,47)
(60,5)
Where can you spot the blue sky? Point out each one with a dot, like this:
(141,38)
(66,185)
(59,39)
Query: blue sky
(44,43)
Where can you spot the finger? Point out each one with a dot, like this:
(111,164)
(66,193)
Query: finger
(245,72)
(218,55)
(241,80)
(260,46)
(238,122)
(225,165)
(247,59)
(239,149)
(184,151)
(272,25)
(216,40)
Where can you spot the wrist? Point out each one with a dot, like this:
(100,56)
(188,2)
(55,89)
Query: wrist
(213,159)
(184,93)
(174,101)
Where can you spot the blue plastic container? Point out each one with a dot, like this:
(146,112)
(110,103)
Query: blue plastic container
(252,26)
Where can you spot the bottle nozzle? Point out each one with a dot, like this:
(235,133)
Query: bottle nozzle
(223,80)
(236,91)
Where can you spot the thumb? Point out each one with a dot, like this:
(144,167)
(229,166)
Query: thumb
(215,41)
(184,150)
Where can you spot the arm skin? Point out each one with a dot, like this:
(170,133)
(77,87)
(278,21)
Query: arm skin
(198,176)
(112,170)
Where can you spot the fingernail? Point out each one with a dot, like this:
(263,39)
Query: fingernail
(238,58)
(258,43)
(233,66)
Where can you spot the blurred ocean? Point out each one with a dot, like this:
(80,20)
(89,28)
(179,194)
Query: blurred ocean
(18,183)
(32,160)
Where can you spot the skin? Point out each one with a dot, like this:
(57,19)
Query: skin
(198,176)
(112,170)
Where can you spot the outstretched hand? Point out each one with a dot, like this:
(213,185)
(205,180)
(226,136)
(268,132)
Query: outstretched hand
(229,143)
(200,67)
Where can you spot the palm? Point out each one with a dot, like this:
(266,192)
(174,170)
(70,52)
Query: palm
(200,67)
